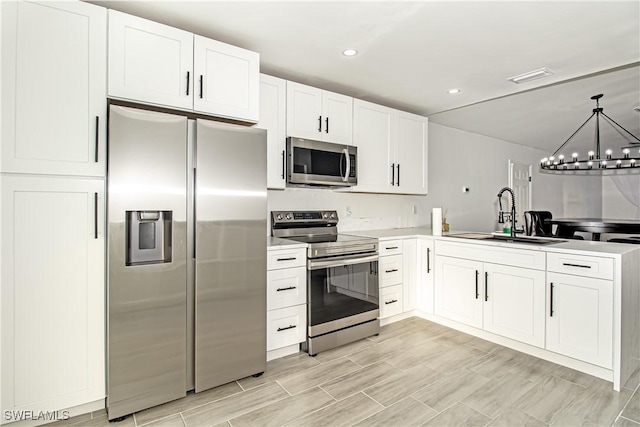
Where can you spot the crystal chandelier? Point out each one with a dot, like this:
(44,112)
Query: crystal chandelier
(626,159)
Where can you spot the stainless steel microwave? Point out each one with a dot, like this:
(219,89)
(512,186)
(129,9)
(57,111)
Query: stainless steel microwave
(321,163)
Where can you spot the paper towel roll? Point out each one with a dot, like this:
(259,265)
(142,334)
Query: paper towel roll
(436,221)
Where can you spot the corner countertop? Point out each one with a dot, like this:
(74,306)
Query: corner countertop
(274,243)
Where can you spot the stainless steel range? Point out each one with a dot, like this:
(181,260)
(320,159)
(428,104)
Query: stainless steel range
(342,278)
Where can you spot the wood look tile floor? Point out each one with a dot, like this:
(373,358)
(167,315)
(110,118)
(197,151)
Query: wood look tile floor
(415,373)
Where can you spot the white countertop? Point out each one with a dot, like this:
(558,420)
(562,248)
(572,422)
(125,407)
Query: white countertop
(393,233)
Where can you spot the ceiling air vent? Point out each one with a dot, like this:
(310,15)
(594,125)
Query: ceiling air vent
(531,75)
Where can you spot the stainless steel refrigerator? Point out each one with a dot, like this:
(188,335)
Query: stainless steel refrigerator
(187,234)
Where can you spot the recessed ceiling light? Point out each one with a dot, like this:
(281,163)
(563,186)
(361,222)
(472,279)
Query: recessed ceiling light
(453,91)
(349,52)
(637,109)
(531,75)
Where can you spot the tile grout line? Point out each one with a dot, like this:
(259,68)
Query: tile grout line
(627,404)
(182,418)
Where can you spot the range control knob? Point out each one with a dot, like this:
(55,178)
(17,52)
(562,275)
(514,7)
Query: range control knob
(279,217)
(325,215)
(333,215)
(288,216)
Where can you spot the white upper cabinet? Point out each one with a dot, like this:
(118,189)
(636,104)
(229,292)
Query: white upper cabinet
(150,62)
(411,153)
(54,88)
(227,80)
(392,149)
(157,64)
(273,104)
(314,113)
(374,126)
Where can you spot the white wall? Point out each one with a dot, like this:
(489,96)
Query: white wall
(456,159)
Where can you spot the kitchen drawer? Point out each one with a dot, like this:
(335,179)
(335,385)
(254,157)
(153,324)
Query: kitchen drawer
(284,258)
(390,270)
(580,265)
(286,287)
(390,301)
(390,247)
(286,326)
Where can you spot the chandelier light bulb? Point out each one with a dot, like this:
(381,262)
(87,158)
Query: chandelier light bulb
(552,158)
(603,164)
(632,162)
(591,153)
(561,157)
(574,157)
(626,152)
(609,153)
(618,163)
(590,164)
(576,165)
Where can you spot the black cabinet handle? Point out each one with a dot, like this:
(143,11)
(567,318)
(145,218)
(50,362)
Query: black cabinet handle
(287,259)
(287,327)
(282,164)
(201,77)
(393,174)
(286,289)
(391,302)
(97,138)
(477,274)
(326,126)
(319,123)
(428,262)
(575,265)
(551,301)
(95,209)
(188,76)
(398,184)
(391,247)
(486,286)
(393,270)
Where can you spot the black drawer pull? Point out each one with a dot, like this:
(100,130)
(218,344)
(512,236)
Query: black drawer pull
(287,259)
(391,302)
(286,328)
(568,264)
(286,289)
(393,270)
(391,247)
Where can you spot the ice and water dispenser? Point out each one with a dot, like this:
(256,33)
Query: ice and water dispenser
(148,237)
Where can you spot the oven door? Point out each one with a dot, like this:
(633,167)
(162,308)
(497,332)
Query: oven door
(321,163)
(342,292)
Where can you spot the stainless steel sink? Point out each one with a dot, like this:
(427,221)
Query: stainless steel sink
(530,240)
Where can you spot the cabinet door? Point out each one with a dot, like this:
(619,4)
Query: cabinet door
(374,126)
(304,111)
(458,293)
(54,80)
(425,273)
(514,303)
(580,318)
(150,62)
(227,80)
(53,287)
(273,103)
(337,118)
(409,275)
(411,153)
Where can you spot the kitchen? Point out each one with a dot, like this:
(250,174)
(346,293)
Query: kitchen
(457,158)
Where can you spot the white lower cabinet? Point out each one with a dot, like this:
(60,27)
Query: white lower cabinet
(580,318)
(505,300)
(425,273)
(286,301)
(457,290)
(53,293)
(514,303)
(390,301)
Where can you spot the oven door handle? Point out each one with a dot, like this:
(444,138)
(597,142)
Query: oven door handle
(337,262)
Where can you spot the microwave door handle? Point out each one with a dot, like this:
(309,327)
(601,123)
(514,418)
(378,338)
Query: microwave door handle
(348,171)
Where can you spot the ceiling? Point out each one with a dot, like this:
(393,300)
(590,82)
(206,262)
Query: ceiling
(412,52)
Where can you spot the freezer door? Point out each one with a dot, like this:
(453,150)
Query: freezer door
(231,233)
(147,259)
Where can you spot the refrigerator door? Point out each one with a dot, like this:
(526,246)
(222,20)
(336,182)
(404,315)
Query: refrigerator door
(147,259)
(231,233)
